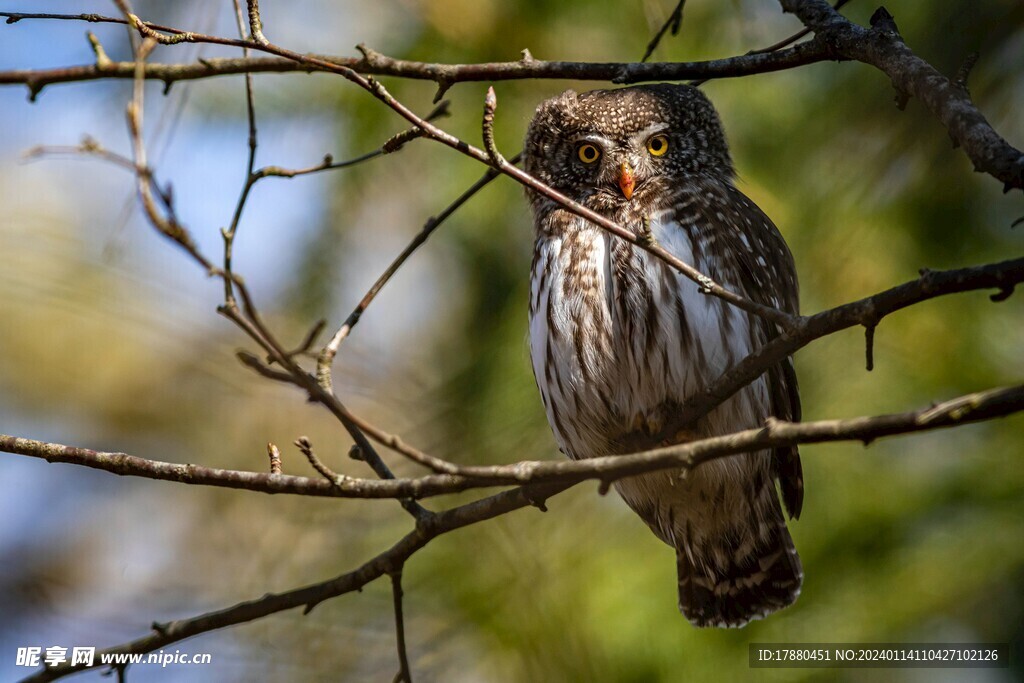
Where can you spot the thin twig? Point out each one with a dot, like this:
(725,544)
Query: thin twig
(404,671)
(673,23)
(327,355)
(256,23)
(326,472)
(490,105)
(250,110)
(775,47)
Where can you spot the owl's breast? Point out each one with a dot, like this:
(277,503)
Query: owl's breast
(615,334)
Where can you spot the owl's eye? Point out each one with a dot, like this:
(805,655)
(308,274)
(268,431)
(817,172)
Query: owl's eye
(588,153)
(657,145)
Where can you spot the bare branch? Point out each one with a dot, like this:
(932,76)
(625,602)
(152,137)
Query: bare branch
(882,47)
(162,218)
(985,405)
(326,472)
(490,105)
(555,477)
(255,23)
(250,110)
(374,63)
(836,39)
(869,311)
(329,352)
(785,42)
(673,23)
(88,147)
(404,671)
(310,596)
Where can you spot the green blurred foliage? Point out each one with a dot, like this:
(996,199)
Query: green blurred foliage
(917,538)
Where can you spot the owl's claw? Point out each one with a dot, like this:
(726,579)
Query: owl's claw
(646,424)
(682,436)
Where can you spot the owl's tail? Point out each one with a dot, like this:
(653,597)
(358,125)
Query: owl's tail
(727,582)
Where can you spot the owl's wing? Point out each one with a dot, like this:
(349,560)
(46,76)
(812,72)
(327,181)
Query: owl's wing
(767,275)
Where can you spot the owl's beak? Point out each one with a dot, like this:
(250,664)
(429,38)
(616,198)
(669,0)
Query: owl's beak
(627,180)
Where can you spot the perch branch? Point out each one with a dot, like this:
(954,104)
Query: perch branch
(984,405)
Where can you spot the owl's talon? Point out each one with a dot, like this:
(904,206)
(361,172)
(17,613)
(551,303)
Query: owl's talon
(645,424)
(653,425)
(681,436)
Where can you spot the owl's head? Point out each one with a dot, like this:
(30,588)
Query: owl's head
(611,148)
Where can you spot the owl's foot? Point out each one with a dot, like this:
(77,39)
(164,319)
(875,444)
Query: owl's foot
(646,424)
(681,436)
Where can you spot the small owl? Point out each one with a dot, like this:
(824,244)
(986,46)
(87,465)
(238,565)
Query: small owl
(619,340)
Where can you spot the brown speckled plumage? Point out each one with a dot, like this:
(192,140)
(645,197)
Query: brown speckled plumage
(619,340)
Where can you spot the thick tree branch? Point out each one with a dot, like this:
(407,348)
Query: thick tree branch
(971,408)
(882,47)
(836,38)
(374,63)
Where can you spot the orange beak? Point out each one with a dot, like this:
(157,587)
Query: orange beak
(626,180)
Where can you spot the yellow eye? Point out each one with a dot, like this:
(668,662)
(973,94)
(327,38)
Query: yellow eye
(588,153)
(657,145)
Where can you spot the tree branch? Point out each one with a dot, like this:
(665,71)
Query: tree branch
(404,672)
(374,63)
(330,350)
(1004,276)
(673,23)
(971,408)
(882,47)
(310,596)
(549,478)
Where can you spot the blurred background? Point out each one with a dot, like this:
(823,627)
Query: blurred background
(110,340)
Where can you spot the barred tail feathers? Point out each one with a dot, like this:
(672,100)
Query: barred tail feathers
(728,584)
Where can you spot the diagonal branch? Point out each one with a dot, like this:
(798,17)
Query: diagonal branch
(775,47)
(673,24)
(1003,276)
(882,47)
(1000,276)
(327,355)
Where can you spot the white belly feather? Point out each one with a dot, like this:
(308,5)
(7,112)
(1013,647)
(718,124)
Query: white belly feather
(596,370)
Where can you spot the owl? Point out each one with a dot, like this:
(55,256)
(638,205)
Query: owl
(619,340)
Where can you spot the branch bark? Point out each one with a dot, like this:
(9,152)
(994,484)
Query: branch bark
(971,408)
(882,47)
(445,75)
